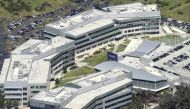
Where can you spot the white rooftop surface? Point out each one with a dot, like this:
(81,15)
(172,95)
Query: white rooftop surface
(81,17)
(91,26)
(39,72)
(81,23)
(54,96)
(24,64)
(78,103)
(26,45)
(132,61)
(19,65)
(134,7)
(38,46)
(22,68)
(89,88)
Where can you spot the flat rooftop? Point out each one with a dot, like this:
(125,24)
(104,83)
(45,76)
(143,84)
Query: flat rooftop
(137,73)
(134,7)
(90,27)
(22,68)
(72,20)
(34,46)
(92,19)
(87,87)
(144,48)
(27,62)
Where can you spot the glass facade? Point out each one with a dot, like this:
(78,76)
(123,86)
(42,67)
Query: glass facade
(149,84)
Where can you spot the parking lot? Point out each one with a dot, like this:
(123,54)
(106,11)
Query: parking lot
(28,27)
(175,25)
(176,60)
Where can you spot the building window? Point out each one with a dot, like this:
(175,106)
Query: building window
(34,92)
(42,87)
(24,88)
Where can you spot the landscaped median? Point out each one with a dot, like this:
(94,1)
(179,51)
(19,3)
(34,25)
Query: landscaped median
(74,74)
(121,48)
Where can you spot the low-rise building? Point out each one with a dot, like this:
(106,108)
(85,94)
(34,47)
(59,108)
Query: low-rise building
(110,90)
(141,79)
(31,66)
(94,29)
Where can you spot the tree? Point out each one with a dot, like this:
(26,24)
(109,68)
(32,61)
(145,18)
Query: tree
(188,31)
(2,101)
(97,4)
(57,81)
(179,100)
(145,1)
(157,2)
(141,99)
(15,6)
(11,103)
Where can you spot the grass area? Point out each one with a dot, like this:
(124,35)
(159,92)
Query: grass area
(74,74)
(121,48)
(168,39)
(34,4)
(177,9)
(97,59)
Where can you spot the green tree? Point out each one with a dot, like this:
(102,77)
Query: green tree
(57,81)
(179,100)
(11,103)
(15,6)
(2,101)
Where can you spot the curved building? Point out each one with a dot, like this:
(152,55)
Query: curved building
(103,90)
(97,28)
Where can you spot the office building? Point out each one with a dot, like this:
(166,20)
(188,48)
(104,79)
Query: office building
(141,79)
(94,29)
(31,66)
(103,90)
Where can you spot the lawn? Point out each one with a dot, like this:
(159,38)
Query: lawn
(177,9)
(97,59)
(72,75)
(121,48)
(54,4)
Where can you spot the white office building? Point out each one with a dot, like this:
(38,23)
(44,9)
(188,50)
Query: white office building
(31,66)
(141,79)
(97,28)
(103,90)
